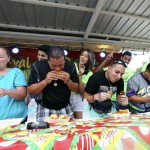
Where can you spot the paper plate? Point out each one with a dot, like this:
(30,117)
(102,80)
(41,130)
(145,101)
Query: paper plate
(47,119)
(124,115)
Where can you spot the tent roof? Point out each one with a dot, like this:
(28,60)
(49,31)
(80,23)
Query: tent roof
(76,23)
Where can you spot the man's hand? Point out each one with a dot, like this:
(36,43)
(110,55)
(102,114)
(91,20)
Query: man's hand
(52,75)
(123,100)
(102,96)
(64,76)
(81,69)
(110,56)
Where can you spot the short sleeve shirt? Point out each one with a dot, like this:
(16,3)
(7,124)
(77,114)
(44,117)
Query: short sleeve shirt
(54,97)
(10,107)
(98,83)
(138,85)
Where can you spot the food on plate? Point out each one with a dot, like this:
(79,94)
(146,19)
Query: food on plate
(53,116)
(122,93)
(122,111)
(110,92)
(56,116)
(63,117)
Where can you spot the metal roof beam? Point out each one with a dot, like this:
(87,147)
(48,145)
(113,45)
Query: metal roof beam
(51,4)
(72,39)
(120,37)
(35,36)
(69,31)
(39,29)
(94,17)
(124,15)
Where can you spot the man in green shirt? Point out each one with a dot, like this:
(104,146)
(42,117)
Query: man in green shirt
(127,57)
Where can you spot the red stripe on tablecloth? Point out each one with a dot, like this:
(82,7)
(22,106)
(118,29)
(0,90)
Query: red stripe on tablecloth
(16,146)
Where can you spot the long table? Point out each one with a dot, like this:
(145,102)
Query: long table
(131,133)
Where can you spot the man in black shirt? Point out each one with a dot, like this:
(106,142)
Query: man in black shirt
(103,84)
(54,78)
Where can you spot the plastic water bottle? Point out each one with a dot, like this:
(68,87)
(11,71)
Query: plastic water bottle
(32,111)
(85,109)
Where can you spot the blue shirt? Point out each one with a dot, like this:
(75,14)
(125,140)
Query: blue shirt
(10,107)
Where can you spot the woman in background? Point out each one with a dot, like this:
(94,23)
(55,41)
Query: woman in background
(12,88)
(84,70)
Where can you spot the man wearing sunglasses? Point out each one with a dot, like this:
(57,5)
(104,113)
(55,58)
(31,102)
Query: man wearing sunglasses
(138,92)
(126,57)
(101,84)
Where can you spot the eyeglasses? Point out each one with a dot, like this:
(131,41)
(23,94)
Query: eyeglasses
(121,62)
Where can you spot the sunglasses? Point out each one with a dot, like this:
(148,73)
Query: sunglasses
(121,62)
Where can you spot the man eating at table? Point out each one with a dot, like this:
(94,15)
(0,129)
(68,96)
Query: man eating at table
(102,85)
(138,92)
(58,77)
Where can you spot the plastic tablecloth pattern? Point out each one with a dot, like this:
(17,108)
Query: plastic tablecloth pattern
(131,133)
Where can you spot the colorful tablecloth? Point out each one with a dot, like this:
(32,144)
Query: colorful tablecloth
(131,133)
